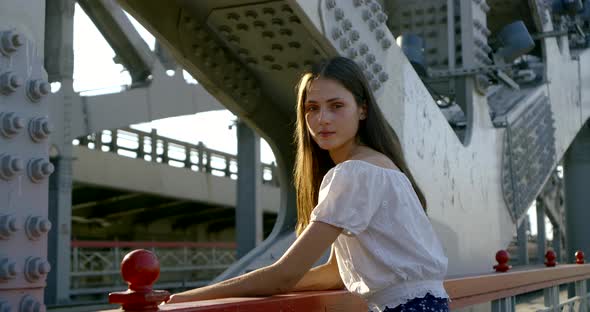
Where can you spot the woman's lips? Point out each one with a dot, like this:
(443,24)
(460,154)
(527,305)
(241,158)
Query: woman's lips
(325,134)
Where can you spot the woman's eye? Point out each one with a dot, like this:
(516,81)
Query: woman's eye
(337,105)
(310,108)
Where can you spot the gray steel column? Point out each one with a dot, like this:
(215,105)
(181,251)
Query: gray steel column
(522,242)
(60,214)
(576,176)
(556,243)
(59,63)
(541,241)
(248,214)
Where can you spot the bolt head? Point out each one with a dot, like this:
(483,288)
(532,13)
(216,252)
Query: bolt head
(7,269)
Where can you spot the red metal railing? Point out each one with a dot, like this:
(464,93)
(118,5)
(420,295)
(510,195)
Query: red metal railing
(464,291)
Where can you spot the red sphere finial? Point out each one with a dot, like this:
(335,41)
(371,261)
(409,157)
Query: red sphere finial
(550,257)
(579,257)
(502,256)
(140,269)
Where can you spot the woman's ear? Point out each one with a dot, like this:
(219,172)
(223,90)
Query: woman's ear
(363,112)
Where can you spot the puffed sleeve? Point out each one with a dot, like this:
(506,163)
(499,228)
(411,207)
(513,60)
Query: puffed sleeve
(349,197)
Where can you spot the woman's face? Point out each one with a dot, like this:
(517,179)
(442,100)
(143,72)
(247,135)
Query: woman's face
(332,115)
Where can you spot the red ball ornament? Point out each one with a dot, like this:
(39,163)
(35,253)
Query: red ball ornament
(550,257)
(579,257)
(502,256)
(140,269)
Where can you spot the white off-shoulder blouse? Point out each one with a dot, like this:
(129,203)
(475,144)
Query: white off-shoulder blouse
(388,251)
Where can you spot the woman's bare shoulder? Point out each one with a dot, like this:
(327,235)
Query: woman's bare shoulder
(378,159)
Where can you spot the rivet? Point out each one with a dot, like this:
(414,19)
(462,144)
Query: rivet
(268,34)
(383,76)
(285,32)
(382,17)
(363,49)
(292,65)
(39,169)
(372,25)
(354,36)
(344,43)
(277,21)
(346,25)
(268,58)
(40,129)
(277,47)
(36,89)
(242,27)
(352,53)
(11,124)
(268,11)
(251,14)
(375,7)
(294,19)
(36,268)
(259,24)
(243,52)
(363,65)
(307,62)
(286,8)
(10,166)
(251,61)
(339,14)
(375,84)
(385,44)
(8,226)
(336,33)
(369,75)
(9,82)
(367,15)
(30,304)
(357,3)
(377,68)
(276,67)
(35,227)
(233,16)
(294,45)
(10,41)
(330,4)
(379,34)
(370,59)
(7,269)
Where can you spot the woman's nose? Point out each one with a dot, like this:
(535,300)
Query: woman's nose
(324,116)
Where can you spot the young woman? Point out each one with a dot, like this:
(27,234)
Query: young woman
(356,193)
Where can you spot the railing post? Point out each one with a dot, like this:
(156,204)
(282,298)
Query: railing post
(551,297)
(113,145)
(165,152)
(226,170)
(140,147)
(187,157)
(154,144)
(504,305)
(201,151)
(582,292)
(98,141)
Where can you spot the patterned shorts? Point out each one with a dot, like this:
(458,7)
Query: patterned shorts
(428,303)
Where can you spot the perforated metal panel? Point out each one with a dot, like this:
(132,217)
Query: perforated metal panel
(24,169)
(529,155)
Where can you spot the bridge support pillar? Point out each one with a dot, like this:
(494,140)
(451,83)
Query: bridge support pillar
(59,63)
(522,242)
(60,214)
(248,211)
(541,237)
(577,197)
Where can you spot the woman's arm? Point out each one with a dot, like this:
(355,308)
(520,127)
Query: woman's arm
(279,277)
(323,277)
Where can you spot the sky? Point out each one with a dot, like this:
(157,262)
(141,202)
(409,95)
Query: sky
(95,72)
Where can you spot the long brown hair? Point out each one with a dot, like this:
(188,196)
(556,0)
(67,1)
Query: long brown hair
(311,162)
